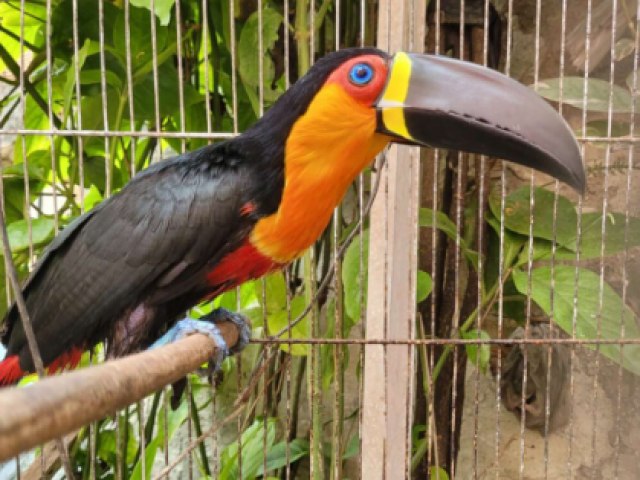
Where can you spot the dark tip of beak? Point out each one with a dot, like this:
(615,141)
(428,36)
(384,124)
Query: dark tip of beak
(459,105)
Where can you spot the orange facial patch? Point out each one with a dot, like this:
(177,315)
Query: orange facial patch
(327,148)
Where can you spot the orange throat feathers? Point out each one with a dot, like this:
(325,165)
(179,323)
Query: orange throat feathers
(327,148)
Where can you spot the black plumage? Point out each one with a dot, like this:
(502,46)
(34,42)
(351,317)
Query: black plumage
(127,269)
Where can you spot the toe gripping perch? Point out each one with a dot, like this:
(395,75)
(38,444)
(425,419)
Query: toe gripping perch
(207,325)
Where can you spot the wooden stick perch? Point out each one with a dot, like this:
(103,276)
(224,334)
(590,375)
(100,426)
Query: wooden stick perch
(57,405)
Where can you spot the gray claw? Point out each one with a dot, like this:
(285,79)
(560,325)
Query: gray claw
(240,321)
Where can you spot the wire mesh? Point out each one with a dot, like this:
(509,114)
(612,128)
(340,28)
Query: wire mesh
(526,340)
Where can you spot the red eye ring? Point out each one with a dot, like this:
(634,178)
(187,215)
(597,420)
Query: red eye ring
(364,92)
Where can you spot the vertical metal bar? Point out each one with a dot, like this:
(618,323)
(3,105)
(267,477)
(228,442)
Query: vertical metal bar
(103,93)
(267,371)
(457,304)
(432,453)
(156,91)
(626,256)
(338,350)
(23,104)
(288,380)
(234,76)
(605,207)
(130,99)
(479,285)
(574,319)
(289,398)
(206,62)
(361,262)
(180,70)
(501,252)
(78,111)
(234,108)
(265,321)
(180,60)
(52,148)
(141,435)
(260,59)
(206,65)
(525,373)
(93,428)
(552,328)
(129,72)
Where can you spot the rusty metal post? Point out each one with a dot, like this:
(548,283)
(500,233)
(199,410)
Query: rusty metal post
(389,370)
(58,405)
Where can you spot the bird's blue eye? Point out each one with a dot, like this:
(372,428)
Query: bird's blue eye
(361,74)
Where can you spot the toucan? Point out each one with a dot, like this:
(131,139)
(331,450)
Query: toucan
(191,227)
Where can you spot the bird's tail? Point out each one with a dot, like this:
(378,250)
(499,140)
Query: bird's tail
(11,373)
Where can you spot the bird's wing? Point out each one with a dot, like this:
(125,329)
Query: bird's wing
(166,224)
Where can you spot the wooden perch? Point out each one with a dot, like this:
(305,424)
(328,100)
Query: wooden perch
(58,405)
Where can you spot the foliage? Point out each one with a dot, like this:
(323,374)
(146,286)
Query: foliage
(530,269)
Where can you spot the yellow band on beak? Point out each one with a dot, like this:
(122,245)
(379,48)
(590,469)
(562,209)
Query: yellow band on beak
(395,95)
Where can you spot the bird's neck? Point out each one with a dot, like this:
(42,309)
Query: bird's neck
(321,161)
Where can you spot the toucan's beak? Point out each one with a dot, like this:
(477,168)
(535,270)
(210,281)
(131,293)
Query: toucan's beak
(446,103)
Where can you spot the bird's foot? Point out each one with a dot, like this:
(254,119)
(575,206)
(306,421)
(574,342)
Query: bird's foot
(207,325)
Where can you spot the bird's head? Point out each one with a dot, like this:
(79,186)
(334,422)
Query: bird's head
(366,95)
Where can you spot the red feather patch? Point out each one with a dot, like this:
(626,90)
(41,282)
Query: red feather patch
(69,359)
(244,263)
(10,371)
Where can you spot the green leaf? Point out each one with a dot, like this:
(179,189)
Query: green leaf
(92,198)
(353,448)
(446,226)
(88,24)
(41,231)
(276,292)
(598,94)
(438,473)
(35,15)
(139,34)
(277,455)
(424,286)
(513,242)
(591,317)
(169,90)
(29,26)
(254,441)
(94,77)
(162,8)
(249,54)
(482,359)
(616,230)
(280,319)
(600,128)
(517,213)
(175,419)
(623,48)
(353,279)
(107,444)
(614,240)
(70,83)
(14,187)
(629,81)
(543,250)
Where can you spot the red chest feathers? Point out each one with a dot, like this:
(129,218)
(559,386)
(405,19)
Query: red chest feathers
(244,263)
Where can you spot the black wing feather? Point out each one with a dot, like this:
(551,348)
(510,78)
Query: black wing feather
(158,236)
